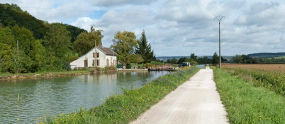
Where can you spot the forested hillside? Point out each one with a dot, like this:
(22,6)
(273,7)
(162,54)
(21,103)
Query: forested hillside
(28,44)
(267,55)
(12,15)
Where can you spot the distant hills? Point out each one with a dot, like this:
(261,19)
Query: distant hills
(268,55)
(253,55)
(12,15)
(164,58)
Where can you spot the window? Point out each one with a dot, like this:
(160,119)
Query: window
(107,62)
(98,62)
(95,55)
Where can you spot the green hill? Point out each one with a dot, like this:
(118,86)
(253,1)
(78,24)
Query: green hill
(12,15)
(267,55)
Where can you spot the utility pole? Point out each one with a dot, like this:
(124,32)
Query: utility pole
(219,18)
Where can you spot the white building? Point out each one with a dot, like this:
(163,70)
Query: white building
(97,57)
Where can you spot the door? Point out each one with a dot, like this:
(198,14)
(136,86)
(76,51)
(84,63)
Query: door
(85,63)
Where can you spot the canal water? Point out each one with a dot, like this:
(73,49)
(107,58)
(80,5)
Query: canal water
(25,101)
(200,66)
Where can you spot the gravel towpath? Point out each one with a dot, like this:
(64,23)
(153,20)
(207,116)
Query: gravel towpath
(194,102)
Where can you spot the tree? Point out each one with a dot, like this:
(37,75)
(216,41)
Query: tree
(193,57)
(237,59)
(193,63)
(85,41)
(57,40)
(74,31)
(7,49)
(184,59)
(144,49)
(38,55)
(25,38)
(124,44)
(135,58)
(215,59)
(173,61)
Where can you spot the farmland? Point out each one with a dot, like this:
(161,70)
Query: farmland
(270,67)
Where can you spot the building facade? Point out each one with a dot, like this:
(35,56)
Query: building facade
(97,57)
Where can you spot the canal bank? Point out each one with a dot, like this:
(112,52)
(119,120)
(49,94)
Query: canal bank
(22,76)
(52,96)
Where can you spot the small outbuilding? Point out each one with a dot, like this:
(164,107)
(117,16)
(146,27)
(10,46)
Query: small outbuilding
(97,57)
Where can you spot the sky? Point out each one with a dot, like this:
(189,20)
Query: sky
(175,27)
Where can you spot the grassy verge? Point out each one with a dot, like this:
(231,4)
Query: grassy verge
(247,104)
(129,105)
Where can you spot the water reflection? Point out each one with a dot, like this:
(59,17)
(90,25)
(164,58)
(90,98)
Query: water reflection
(63,95)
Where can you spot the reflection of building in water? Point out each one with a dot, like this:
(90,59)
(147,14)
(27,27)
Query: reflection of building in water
(86,78)
(107,83)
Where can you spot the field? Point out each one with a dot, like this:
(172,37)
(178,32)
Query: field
(250,101)
(252,93)
(271,67)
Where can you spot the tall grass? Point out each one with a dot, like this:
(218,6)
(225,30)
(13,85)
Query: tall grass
(247,104)
(129,105)
(273,80)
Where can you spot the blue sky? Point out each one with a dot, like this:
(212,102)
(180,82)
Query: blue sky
(175,27)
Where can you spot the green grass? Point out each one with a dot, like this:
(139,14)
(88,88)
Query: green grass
(124,108)
(273,80)
(156,63)
(246,103)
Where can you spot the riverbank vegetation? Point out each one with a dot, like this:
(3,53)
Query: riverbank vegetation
(251,95)
(9,76)
(128,106)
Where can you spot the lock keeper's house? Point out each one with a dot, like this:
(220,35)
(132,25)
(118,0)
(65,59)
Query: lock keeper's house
(97,57)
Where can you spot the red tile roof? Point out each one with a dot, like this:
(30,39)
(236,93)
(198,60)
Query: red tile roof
(107,51)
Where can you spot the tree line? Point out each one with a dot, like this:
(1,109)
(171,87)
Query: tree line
(246,59)
(194,60)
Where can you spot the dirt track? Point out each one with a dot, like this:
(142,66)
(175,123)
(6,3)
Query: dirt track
(194,102)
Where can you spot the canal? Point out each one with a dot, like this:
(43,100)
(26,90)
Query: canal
(25,101)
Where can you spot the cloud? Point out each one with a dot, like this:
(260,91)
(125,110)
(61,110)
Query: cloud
(108,3)
(176,27)
(261,14)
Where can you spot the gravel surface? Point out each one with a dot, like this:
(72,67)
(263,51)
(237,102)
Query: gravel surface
(194,102)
